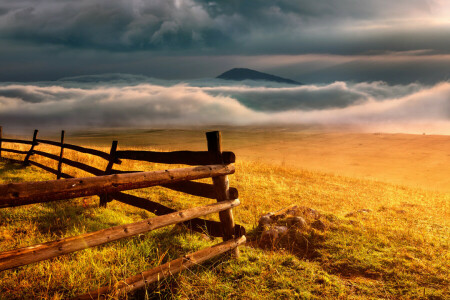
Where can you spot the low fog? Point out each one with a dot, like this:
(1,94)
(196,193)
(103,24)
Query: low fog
(117,100)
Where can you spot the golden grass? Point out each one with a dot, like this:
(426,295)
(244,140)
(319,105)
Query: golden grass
(398,250)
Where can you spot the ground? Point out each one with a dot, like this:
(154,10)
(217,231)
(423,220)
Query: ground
(396,248)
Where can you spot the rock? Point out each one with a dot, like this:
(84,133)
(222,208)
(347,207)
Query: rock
(270,236)
(282,230)
(319,225)
(298,222)
(290,210)
(310,212)
(265,220)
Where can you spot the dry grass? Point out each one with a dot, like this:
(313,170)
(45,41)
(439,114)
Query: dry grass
(400,249)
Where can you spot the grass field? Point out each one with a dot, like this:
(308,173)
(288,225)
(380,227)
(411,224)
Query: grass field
(397,250)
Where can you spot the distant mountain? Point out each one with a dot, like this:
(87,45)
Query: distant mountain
(248,74)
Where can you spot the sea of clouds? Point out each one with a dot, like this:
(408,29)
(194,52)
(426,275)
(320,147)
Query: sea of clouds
(120,100)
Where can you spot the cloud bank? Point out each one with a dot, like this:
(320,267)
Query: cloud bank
(126,101)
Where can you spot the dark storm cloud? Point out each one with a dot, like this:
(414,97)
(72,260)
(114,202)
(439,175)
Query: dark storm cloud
(111,25)
(256,26)
(179,39)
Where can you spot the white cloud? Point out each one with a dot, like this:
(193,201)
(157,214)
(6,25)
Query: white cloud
(373,105)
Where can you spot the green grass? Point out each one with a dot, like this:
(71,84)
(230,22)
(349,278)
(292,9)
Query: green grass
(399,250)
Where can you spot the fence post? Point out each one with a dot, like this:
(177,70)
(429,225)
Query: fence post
(30,152)
(112,157)
(1,136)
(221,186)
(61,153)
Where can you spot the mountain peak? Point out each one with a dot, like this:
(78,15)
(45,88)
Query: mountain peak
(249,74)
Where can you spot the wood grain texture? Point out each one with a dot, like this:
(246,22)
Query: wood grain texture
(194,188)
(30,152)
(76,164)
(27,255)
(168,269)
(16,194)
(221,185)
(13,151)
(104,199)
(61,153)
(212,228)
(17,141)
(174,157)
(81,149)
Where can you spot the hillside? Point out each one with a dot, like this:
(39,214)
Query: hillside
(240,74)
(380,240)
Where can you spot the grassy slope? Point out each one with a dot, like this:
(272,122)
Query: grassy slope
(398,250)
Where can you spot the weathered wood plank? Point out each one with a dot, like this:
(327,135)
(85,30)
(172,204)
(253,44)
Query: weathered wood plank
(190,187)
(175,157)
(61,153)
(95,152)
(19,257)
(48,169)
(199,189)
(16,194)
(168,269)
(104,198)
(91,151)
(13,151)
(221,185)
(17,141)
(30,152)
(48,142)
(72,163)
(114,171)
(213,228)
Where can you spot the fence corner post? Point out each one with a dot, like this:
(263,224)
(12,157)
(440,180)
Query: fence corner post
(221,186)
(30,152)
(104,199)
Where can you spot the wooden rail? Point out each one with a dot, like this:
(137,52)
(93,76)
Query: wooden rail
(95,152)
(192,188)
(168,269)
(193,158)
(16,141)
(14,151)
(72,163)
(221,185)
(60,159)
(17,194)
(35,253)
(109,184)
(212,228)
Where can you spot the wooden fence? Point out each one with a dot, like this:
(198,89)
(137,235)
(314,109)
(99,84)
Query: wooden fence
(110,183)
